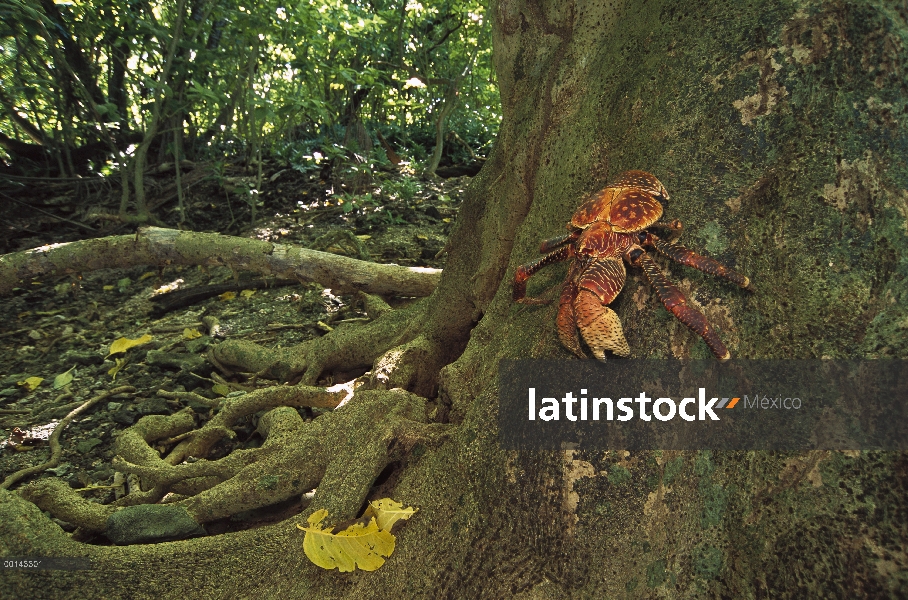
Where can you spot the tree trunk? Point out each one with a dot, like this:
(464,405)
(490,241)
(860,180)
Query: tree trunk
(779,132)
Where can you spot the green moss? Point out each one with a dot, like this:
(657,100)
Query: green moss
(268,482)
(656,574)
(619,475)
(715,498)
(703,464)
(714,238)
(652,482)
(672,469)
(707,562)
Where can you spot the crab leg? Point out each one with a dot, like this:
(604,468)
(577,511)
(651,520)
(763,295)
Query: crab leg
(671,228)
(526,271)
(676,303)
(552,243)
(685,256)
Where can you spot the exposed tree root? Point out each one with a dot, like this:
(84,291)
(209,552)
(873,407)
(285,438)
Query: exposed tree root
(339,453)
(56,497)
(347,347)
(412,366)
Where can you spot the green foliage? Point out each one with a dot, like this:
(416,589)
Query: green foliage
(403,188)
(233,77)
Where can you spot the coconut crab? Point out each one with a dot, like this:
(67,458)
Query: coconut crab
(614,226)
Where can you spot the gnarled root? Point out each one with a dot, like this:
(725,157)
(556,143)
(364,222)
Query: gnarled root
(55,496)
(234,409)
(341,453)
(413,366)
(346,347)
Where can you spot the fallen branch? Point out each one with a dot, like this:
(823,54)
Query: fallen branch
(49,214)
(162,247)
(55,448)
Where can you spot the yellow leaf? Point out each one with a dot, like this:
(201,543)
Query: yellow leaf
(421,237)
(121,362)
(123,344)
(387,512)
(247,293)
(108,288)
(325,326)
(364,237)
(31,383)
(147,275)
(64,379)
(191,334)
(220,389)
(358,546)
(227,296)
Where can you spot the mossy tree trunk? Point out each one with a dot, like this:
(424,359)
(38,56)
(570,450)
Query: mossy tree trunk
(780,130)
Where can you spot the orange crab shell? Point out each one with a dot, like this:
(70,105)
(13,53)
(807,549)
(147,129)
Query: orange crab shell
(629,204)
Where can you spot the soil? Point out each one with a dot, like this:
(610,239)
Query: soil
(54,329)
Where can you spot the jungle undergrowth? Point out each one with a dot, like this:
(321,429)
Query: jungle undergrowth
(54,325)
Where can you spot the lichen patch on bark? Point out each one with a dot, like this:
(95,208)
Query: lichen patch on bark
(574,469)
(769,91)
(855,181)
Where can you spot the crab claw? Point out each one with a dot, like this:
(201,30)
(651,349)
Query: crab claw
(565,321)
(599,325)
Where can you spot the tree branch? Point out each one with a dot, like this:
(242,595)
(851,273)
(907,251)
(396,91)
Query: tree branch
(162,247)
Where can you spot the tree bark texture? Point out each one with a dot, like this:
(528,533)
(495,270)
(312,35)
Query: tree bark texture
(780,130)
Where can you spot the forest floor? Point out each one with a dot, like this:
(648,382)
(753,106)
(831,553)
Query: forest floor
(55,334)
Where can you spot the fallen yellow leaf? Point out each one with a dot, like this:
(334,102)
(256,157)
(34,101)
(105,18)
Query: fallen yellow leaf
(123,344)
(387,512)
(358,546)
(120,363)
(31,383)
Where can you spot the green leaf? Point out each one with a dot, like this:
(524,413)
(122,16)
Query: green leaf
(64,379)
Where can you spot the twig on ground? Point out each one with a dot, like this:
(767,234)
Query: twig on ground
(55,448)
